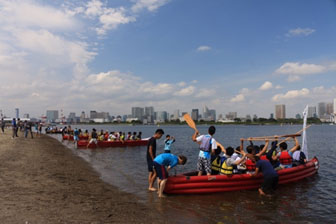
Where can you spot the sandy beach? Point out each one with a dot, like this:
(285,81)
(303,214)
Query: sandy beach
(43,182)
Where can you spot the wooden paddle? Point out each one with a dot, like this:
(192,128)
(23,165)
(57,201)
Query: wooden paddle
(190,121)
(299,132)
(192,124)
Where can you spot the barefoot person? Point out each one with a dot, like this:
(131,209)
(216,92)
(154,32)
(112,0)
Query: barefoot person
(151,154)
(271,177)
(161,162)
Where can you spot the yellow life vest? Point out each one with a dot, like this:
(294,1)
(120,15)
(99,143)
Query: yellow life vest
(216,164)
(225,169)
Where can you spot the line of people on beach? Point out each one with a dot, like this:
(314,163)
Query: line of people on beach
(27,127)
(215,159)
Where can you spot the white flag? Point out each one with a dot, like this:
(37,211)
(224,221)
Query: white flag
(304,136)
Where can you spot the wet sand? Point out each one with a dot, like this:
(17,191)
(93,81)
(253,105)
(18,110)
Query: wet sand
(41,181)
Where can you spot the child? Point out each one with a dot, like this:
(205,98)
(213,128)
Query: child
(168,142)
(160,163)
(207,146)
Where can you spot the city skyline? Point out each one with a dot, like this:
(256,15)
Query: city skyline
(233,56)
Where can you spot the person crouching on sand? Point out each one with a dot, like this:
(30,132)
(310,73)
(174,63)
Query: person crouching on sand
(160,163)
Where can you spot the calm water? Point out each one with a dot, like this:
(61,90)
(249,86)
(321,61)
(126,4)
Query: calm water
(309,201)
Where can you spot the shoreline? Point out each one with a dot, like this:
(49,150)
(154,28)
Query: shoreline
(42,181)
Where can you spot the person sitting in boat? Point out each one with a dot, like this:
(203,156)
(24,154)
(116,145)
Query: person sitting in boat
(251,152)
(139,137)
(86,133)
(285,156)
(133,137)
(271,177)
(299,157)
(272,156)
(122,137)
(94,137)
(228,165)
(112,136)
(217,160)
(168,143)
(207,146)
(160,163)
(129,135)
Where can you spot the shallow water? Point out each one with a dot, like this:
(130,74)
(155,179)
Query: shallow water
(309,201)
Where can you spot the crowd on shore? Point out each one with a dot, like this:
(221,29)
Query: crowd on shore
(215,159)
(27,127)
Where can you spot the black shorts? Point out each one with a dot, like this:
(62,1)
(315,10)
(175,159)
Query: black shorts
(150,165)
(161,171)
(270,184)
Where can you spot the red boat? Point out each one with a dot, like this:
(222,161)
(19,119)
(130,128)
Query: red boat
(71,137)
(107,144)
(189,183)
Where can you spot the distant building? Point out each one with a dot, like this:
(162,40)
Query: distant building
(212,115)
(161,116)
(26,116)
(149,114)
(52,115)
(93,114)
(248,117)
(322,109)
(330,109)
(194,114)
(280,111)
(298,116)
(17,113)
(311,112)
(176,115)
(138,112)
(231,115)
(334,106)
(271,116)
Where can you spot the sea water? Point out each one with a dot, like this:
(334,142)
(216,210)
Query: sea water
(311,200)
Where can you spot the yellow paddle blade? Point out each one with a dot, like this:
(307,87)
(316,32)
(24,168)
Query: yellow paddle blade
(189,121)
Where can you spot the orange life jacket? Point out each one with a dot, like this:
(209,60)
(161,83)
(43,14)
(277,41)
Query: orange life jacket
(250,165)
(285,158)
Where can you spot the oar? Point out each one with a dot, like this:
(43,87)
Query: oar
(192,124)
(190,121)
(299,132)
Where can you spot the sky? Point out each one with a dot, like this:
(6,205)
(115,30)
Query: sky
(230,55)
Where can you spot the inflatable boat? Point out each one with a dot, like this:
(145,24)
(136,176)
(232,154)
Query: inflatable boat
(190,183)
(71,137)
(107,144)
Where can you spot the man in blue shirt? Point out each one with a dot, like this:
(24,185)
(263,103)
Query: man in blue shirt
(271,177)
(160,163)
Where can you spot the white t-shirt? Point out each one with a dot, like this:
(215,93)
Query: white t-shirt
(213,143)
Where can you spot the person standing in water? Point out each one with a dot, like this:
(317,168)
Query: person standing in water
(151,154)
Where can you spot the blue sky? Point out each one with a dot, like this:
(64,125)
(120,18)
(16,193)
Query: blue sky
(243,56)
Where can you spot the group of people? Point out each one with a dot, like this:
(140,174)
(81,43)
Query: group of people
(215,159)
(108,136)
(25,126)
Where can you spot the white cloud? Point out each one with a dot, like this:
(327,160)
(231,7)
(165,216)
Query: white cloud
(187,91)
(204,48)
(150,5)
(31,15)
(300,32)
(238,98)
(295,70)
(292,94)
(266,86)
(94,8)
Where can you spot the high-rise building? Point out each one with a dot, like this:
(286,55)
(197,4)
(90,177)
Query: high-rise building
(93,114)
(26,116)
(149,114)
(212,115)
(311,112)
(322,109)
(17,113)
(231,115)
(206,112)
(161,116)
(194,114)
(330,109)
(176,114)
(138,112)
(334,106)
(52,115)
(280,111)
